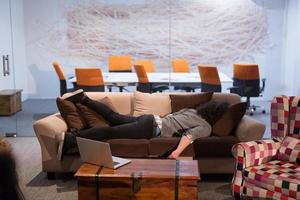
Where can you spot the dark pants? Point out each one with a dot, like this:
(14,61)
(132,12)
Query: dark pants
(122,126)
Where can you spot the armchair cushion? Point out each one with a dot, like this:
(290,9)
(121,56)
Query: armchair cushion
(275,176)
(290,150)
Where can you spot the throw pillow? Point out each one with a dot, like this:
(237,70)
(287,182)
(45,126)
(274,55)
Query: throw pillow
(145,103)
(229,120)
(91,117)
(290,150)
(70,114)
(181,101)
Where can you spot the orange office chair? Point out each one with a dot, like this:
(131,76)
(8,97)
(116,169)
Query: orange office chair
(246,83)
(62,79)
(148,65)
(180,66)
(210,80)
(143,82)
(89,79)
(119,63)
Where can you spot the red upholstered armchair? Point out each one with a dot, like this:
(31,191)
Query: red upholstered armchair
(271,168)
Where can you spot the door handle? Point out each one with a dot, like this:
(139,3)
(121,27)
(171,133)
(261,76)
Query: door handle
(5,59)
(4,67)
(7,65)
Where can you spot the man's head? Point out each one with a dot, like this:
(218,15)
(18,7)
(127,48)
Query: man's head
(212,111)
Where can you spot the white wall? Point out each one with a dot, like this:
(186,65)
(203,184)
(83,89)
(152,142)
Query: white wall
(291,61)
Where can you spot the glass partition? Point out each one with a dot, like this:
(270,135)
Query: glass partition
(10,100)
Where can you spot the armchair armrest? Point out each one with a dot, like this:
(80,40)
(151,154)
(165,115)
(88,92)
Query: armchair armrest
(255,152)
(263,80)
(249,129)
(46,130)
(251,154)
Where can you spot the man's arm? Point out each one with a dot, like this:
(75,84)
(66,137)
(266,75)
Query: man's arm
(192,134)
(184,142)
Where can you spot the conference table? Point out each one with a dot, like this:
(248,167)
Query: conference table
(174,79)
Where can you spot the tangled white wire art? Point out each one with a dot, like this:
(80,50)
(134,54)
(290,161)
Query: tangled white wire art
(216,32)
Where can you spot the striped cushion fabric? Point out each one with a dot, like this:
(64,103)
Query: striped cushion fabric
(276,176)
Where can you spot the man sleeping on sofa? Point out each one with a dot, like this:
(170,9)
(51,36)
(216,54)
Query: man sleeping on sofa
(189,124)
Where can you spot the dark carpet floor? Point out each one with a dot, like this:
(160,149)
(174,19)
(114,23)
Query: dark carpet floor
(36,186)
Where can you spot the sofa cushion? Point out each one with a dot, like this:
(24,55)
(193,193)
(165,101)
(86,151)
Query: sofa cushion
(160,146)
(129,148)
(226,97)
(92,118)
(181,101)
(290,150)
(276,176)
(145,103)
(122,101)
(229,120)
(214,146)
(70,114)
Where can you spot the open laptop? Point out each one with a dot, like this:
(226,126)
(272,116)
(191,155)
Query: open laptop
(98,153)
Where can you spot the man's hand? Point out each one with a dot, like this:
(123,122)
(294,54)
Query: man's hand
(174,155)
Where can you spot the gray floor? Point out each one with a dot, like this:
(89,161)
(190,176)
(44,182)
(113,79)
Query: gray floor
(32,110)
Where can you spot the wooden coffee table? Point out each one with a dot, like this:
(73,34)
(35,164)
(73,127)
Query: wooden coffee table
(140,179)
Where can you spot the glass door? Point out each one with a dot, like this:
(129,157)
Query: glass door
(9,97)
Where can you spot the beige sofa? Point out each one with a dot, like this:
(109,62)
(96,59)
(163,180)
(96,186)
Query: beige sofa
(214,153)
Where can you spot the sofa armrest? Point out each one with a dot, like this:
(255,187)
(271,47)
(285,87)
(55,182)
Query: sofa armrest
(250,129)
(46,130)
(251,154)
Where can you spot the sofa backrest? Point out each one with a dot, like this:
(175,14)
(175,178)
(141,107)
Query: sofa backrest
(124,102)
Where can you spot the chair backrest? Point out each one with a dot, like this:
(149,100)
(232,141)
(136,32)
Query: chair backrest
(180,65)
(58,70)
(148,65)
(119,63)
(246,76)
(141,73)
(245,71)
(209,74)
(210,80)
(89,77)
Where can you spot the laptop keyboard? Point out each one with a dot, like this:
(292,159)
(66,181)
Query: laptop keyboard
(116,163)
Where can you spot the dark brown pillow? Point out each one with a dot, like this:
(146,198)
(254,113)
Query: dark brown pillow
(92,118)
(229,120)
(179,101)
(70,114)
